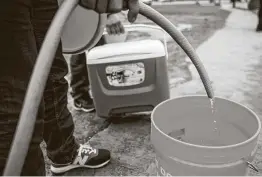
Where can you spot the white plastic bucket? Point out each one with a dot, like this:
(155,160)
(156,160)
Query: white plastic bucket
(219,144)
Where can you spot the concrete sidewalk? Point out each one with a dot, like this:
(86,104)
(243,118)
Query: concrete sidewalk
(233,60)
(191,2)
(225,55)
(187,2)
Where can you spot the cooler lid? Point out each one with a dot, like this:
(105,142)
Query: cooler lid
(83,30)
(133,50)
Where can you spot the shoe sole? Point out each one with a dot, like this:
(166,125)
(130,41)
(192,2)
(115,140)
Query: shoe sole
(83,109)
(71,167)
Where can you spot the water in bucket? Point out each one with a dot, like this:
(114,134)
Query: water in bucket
(221,137)
(210,131)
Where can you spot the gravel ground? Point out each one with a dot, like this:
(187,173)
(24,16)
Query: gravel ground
(204,20)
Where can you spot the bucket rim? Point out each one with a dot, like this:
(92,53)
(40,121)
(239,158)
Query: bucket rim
(209,147)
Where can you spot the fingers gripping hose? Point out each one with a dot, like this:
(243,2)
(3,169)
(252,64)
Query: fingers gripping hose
(42,68)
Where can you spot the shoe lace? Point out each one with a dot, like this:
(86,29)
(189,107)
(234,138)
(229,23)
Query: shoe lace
(85,148)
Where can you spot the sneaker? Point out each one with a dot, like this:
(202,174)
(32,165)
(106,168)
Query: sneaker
(81,104)
(87,157)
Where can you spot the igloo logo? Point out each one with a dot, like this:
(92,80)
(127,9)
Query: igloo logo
(160,170)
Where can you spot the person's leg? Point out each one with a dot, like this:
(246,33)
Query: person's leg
(259,26)
(55,95)
(233,3)
(79,83)
(62,148)
(17,57)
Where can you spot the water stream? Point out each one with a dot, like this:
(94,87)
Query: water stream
(212,105)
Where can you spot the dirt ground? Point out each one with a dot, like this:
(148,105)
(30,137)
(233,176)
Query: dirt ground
(205,21)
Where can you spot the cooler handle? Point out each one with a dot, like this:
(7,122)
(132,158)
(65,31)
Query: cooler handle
(147,29)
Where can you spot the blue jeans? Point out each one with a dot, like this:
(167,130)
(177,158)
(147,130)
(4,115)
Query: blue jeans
(24,24)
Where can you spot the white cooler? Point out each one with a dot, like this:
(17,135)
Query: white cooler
(128,77)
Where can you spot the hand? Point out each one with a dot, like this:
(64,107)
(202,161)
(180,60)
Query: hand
(114,25)
(113,6)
